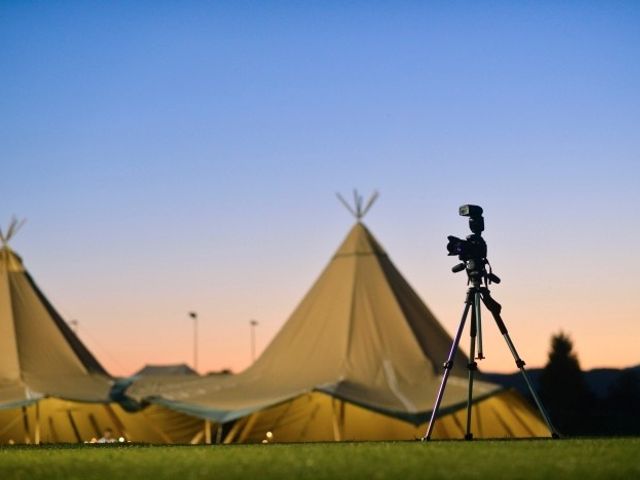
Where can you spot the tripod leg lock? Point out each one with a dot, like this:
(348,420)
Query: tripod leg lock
(472,366)
(448,365)
(520,363)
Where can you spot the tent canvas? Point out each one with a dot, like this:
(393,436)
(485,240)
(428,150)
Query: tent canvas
(52,420)
(39,354)
(319,417)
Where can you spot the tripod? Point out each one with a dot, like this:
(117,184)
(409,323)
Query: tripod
(473,254)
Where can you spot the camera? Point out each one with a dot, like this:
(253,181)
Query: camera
(473,250)
(474,246)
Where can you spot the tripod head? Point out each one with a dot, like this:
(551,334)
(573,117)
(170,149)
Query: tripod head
(472,252)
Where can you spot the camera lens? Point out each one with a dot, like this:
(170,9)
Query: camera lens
(456,245)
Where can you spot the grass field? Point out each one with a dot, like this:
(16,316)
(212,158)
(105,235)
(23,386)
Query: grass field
(521,459)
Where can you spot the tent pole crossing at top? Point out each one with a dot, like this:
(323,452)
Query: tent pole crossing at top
(14,226)
(357,209)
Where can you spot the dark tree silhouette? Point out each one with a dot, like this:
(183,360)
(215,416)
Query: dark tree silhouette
(564,390)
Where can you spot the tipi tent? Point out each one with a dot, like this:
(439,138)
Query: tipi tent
(359,358)
(52,389)
(39,354)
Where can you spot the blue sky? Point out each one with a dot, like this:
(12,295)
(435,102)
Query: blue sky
(181,155)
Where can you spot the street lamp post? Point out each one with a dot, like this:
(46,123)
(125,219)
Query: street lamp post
(194,316)
(252,326)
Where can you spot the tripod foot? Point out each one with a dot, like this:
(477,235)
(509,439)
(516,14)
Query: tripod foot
(468,436)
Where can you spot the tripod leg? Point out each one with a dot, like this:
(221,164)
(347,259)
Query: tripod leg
(472,365)
(495,308)
(448,366)
(476,305)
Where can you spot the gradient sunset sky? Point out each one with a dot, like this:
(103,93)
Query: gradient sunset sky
(178,156)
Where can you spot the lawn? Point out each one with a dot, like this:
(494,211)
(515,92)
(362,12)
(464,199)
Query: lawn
(527,459)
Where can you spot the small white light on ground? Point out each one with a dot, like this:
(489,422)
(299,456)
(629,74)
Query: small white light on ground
(269,435)
(121,439)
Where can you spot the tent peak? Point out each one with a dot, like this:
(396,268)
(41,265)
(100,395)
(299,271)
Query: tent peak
(357,210)
(12,229)
(360,241)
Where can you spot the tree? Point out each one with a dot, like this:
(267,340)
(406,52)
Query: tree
(564,390)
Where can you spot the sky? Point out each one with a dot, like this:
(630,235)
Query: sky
(184,156)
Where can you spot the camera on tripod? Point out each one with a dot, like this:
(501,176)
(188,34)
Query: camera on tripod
(473,254)
(472,251)
(474,246)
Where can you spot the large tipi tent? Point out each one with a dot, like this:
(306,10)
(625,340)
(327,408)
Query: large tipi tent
(359,358)
(52,389)
(39,354)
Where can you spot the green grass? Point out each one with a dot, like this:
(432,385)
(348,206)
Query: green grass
(523,459)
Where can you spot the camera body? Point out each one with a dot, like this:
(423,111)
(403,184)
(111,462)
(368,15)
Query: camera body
(473,247)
